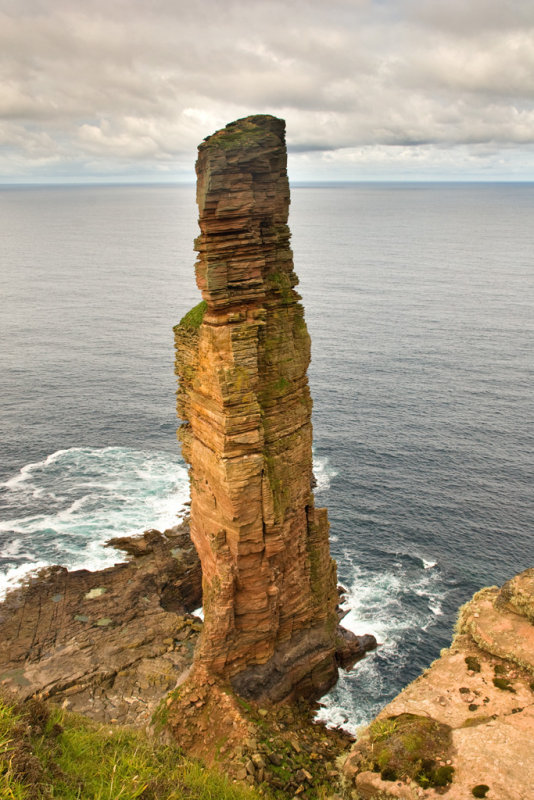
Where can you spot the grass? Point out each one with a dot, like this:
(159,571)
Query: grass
(236,134)
(409,746)
(49,753)
(193,318)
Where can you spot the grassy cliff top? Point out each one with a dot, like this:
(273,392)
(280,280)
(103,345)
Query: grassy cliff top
(46,752)
(245,131)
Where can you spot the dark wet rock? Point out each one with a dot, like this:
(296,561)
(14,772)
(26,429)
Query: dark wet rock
(351,648)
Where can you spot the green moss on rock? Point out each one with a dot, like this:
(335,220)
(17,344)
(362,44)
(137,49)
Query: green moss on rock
(472,722)
(193,318)
(472,663)
(410,747)
(504,684)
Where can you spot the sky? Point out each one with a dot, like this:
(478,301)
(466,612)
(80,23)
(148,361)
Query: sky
(124,90)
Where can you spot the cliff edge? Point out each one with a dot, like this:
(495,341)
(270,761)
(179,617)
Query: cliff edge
(465,727)
(108,644)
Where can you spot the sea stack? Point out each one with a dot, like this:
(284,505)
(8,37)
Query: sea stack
(269,583)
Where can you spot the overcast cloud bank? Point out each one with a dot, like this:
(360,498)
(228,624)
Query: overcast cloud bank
(401,89)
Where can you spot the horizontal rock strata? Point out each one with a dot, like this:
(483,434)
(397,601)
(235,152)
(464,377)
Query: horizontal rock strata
(242,354)
(111,643)
(481,691)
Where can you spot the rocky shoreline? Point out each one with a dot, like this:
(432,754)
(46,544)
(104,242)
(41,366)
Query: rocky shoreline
(117,644)
(108,644)
(112,643)
(464,728)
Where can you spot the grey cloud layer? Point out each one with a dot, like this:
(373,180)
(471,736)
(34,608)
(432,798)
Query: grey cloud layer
(117,86)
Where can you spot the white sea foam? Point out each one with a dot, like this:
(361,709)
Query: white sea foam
(435,606)
(12,549)
(75,506)
(14,575)
(382,604)
(26,472)
(76,499)
(67,505)
(324,473)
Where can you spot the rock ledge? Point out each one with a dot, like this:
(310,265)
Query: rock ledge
(482,690)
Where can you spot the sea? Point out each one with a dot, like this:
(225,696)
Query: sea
(419,299)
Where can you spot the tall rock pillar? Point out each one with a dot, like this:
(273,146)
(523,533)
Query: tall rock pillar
(269,583)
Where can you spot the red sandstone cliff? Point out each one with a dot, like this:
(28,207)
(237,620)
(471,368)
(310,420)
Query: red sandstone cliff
(268,580)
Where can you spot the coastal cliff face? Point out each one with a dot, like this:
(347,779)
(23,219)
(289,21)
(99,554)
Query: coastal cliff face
(465,727)
(269,584)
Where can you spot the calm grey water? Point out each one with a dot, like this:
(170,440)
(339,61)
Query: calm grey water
(420,303)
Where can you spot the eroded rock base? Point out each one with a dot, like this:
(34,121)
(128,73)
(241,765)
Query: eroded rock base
(277,748)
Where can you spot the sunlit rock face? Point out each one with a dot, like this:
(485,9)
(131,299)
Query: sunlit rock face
(464,728)
(268,580)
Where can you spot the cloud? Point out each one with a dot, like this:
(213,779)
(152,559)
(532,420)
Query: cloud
(134,86)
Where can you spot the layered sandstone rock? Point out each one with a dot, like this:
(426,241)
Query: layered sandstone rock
(109,644)
(269,583)
(474,707)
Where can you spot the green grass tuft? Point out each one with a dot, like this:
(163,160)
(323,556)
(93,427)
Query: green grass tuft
(409,746)
(382,728)
(193,318)
(48,753)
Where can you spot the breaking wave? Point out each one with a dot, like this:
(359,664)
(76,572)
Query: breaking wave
(61,510)
(402,602)
(324,473)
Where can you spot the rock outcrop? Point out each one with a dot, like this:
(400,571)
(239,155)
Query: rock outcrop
(465,726)
(109,644)
(269,583)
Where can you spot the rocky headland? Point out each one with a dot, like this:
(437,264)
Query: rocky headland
(269,584)
(271,626)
